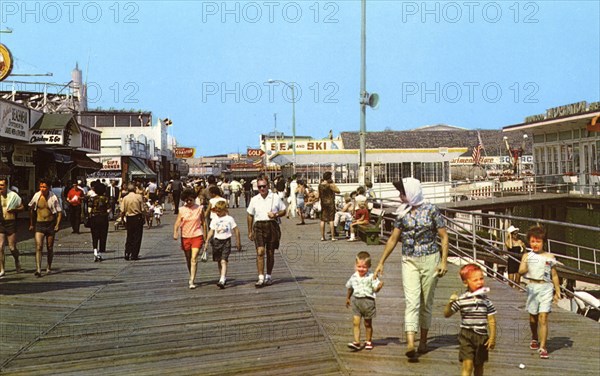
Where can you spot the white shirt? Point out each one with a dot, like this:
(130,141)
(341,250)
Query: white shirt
(260,207)
(223,226)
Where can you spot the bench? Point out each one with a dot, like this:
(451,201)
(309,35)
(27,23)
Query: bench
(370,233)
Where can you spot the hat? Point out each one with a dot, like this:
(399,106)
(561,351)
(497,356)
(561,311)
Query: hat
(79,182)
(512,229)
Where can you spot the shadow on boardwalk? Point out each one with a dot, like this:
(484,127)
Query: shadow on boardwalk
(126,317)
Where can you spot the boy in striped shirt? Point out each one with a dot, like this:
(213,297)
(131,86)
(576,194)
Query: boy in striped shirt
(477,313)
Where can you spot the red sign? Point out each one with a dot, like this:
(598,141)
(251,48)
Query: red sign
(185,152)
(255,153)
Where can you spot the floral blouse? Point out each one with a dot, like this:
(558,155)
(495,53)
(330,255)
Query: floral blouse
(419,230)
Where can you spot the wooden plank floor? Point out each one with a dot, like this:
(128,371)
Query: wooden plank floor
(120,317)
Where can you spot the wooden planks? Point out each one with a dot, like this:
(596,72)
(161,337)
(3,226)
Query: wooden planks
(119,317)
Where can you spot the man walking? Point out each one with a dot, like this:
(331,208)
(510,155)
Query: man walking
(114,194)
(176,188)
(75,199)
(263,228)
(133,210)
(45,208)
(10,203)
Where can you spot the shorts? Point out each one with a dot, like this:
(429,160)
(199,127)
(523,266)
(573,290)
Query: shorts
(221,248)
(188,243)
(46,228)
(300,203)
(539,297)
(8,227)
(363,307)
(472,346)
(266,234)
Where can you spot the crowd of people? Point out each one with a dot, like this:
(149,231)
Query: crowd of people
(203,220)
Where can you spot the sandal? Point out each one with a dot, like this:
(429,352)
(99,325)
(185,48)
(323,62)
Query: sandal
(411,353)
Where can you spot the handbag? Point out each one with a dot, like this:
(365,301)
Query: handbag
(204,256)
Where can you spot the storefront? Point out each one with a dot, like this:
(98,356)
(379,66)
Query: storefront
(566,144)
(16,157)
(62,146)
(138,169)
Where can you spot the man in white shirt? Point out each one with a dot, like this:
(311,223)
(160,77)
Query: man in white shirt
(263,228)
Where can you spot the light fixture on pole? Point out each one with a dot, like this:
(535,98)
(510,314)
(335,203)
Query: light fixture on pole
(291,86)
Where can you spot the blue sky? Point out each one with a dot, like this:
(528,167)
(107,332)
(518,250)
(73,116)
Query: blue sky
(205,64)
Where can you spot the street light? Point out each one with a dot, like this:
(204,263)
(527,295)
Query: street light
(291,86)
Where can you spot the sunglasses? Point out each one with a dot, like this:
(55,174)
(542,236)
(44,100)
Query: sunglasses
(262,186)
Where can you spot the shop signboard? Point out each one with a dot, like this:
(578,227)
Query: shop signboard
(46,136)
(301,145)
(111,164)
(6,62)
(14,121)
(183,153)
(90,140)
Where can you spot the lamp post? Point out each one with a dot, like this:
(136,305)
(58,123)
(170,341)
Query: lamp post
(291,86)
(366,98)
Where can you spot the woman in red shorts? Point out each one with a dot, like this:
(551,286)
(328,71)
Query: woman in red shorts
(190,220)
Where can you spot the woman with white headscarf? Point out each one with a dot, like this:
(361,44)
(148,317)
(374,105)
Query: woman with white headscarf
(417,227)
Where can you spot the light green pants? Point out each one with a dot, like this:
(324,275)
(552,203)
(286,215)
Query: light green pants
(419,279)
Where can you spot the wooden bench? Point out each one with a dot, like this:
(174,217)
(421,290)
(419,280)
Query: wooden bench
(370,233)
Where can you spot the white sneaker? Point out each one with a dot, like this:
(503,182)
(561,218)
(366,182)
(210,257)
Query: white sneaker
(260,282)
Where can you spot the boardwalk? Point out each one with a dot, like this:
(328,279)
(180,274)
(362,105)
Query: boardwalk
(139,318)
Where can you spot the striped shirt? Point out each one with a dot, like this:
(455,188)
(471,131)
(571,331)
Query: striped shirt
(474,312)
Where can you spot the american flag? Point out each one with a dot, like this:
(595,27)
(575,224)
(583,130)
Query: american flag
(477,151)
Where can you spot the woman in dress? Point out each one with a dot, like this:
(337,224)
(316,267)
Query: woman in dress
(418,225)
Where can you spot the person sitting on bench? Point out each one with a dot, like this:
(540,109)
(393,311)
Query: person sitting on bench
(361,217)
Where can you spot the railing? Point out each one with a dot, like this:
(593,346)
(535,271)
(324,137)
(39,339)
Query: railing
(480,237)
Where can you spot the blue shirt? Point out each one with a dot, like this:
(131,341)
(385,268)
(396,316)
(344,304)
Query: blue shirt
(419,230)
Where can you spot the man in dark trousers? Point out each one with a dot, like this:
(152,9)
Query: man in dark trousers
(176,188)
(75,197)
(114,193)
(134,210)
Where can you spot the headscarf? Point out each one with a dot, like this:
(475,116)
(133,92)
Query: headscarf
(414,196)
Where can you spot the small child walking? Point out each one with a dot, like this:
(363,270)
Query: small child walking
(221,230)
(477,314)
(362,288)
(539,267)
(158,212)
(150,213)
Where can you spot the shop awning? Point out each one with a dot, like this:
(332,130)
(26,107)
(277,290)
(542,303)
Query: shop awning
(139,169)
(85,162)
(56,121)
